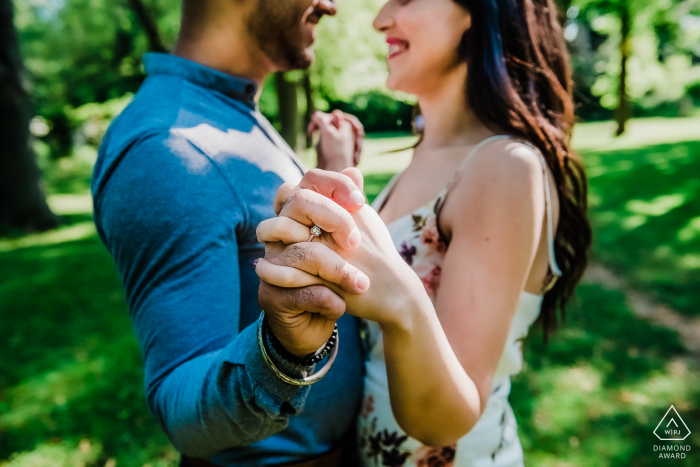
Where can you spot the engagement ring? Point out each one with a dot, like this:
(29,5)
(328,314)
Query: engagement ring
(315,231)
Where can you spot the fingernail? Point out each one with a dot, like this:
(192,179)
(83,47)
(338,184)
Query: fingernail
(362,282)
(255,263)
(357,197)
(355,237)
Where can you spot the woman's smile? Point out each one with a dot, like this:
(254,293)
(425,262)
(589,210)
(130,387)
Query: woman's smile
(396,47)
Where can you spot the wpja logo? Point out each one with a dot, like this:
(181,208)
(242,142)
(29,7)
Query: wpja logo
(672,428)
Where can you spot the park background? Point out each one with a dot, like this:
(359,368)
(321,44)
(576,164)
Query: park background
(71,390)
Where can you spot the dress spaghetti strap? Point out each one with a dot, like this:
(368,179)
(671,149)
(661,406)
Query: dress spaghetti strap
(476,149)
(455,177)
(553,266)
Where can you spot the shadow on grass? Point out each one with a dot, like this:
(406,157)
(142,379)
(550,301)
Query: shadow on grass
(645,206)
(71,370)
(595,395)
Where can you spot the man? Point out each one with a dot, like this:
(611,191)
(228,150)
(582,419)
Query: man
(184,177)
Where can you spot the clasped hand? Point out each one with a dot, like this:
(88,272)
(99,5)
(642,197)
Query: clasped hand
(352,267)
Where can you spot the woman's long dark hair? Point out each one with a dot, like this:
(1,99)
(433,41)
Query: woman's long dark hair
(519,82)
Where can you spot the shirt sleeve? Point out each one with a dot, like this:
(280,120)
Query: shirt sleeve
(170,220)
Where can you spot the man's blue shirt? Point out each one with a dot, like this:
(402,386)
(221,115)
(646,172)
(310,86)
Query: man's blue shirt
(184,176)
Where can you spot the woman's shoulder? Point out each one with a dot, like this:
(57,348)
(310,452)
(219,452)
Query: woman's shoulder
(503,180)
(506,166)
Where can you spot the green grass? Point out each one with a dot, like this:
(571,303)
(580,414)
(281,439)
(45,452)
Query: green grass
(70,373)
(594,396)
(646,212)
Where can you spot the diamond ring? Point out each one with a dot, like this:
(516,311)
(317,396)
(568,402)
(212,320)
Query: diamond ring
(315,231)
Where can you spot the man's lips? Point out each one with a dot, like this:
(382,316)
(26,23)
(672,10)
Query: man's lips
(396,47)
(313,18)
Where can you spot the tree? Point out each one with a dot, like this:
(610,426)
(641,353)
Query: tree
(643,58)
(288,107)
(623,106)
(82,51)
(149,26)
(22,201)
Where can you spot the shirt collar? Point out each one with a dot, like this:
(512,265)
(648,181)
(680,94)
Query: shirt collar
(242,89)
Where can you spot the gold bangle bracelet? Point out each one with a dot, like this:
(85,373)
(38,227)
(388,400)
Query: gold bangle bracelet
(306,381)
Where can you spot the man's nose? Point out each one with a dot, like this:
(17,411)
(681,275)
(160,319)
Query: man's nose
(327,7)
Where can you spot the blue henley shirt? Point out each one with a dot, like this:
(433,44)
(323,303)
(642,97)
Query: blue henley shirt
(184,176)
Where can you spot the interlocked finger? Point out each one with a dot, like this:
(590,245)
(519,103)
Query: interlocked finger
(282,229)
(319,260)
(285,276)
(310,208)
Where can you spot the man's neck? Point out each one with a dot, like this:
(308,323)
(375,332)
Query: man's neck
(224,49)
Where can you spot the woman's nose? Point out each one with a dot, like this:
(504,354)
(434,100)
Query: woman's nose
(384,19)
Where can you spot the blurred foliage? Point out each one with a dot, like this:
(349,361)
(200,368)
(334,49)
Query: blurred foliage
(664,64)
(78,52)
(85,51)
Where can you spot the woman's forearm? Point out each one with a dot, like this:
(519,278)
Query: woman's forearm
(432,397)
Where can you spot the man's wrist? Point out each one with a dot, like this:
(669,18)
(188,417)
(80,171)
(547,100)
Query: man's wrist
(303,371)
(295,370)
(307,360)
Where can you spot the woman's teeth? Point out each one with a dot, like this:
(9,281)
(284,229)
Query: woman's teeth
(397,48)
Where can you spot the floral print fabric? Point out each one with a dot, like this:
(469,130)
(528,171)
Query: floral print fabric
(493,442)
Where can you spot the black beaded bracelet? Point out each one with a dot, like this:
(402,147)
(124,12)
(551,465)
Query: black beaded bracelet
(309,360)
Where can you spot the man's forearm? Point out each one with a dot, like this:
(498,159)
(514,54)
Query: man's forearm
(224,399)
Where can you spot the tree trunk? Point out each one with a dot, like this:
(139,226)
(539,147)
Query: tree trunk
(308,91)
(289,114)
(623,108)
(22,201)
(155,44)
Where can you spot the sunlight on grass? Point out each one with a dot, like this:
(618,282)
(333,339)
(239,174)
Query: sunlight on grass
(571,396)
(644,216)
(594,395)
(690,261)
(71,204)
(66,234)
(690,232)
(378,154)
(38,397)
(657,206)
(600,136)
(59,454)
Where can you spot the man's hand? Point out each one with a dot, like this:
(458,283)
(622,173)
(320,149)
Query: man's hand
(340,140)
(303,318)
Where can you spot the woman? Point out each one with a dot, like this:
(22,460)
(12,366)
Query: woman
(483,233)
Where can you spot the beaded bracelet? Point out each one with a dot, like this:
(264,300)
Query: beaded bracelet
(309,360)
(305,381)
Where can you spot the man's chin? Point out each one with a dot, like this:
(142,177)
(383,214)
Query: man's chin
(301,62)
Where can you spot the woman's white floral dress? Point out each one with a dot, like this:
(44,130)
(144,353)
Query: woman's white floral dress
(493,441)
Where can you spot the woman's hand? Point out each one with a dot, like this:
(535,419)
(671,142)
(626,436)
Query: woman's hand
(303,318)
(388,290)
(421,364)
(340,140)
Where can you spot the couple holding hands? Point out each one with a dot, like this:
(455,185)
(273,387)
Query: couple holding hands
(389,332)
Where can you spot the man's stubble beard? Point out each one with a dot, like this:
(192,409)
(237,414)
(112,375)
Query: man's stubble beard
(276,28)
